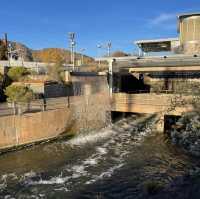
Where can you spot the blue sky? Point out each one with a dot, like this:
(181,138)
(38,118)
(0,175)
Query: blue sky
(45,23)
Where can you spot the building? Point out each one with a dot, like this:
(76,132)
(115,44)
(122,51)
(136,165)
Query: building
(187,42)
(147,84)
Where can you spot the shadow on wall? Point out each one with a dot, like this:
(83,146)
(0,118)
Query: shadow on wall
(127,83)
(88,85)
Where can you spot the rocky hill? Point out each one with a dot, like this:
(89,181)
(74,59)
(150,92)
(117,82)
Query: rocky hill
(47,54)
(25,52)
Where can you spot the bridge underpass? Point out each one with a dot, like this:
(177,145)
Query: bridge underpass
(163,105)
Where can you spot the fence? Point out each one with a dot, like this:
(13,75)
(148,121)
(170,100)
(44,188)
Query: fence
(34,106)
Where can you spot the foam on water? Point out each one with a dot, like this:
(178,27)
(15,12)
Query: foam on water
(3,186)
(54,180)
(104,174)
(92,137)
(5,178)
(101,150)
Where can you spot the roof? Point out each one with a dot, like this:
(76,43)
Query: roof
(188,14)
(157,45)
(156,40)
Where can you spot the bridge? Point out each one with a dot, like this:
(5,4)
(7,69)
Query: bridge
(39,67)
(165,106)
(150,103)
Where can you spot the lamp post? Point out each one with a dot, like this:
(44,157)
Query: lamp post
(109,45)
(10,53)
(72,44)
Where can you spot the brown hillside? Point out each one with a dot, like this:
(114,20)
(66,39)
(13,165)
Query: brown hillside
(53,54)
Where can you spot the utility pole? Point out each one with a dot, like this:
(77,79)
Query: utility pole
(5,43)
(72,44)
(6,40)
(21,53)
(9,53)
(109,45)
(82,56)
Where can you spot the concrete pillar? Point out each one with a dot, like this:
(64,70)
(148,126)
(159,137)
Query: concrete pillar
(87,89)
(160,123)
(111,67)
(67,76)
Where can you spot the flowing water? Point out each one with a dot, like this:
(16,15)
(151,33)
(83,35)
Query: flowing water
(111,163)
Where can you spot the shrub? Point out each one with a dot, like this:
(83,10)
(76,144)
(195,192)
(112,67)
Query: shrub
(55,71)
(18,73)
(1,77)
(17,93)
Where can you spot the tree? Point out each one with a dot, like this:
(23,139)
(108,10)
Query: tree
(16,93)
(55,71)
(18,73)
(19,94)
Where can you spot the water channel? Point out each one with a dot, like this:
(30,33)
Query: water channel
(121,161)
(112,163)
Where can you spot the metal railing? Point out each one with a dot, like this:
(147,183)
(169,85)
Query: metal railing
(188,91)
(21,108)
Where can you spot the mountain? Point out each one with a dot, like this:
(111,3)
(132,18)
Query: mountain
(25,52)
(52,54)
(119,54)
(47,54)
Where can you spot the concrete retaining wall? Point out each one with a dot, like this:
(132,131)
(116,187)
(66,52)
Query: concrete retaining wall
(85,112)
(34,127)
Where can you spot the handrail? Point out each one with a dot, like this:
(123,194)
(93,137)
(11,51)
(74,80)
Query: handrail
(39,105)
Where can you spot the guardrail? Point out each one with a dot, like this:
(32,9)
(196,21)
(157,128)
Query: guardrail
(189,91)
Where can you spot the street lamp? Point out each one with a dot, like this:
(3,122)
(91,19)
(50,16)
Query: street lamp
(109,45)
(99,47)
(72,44)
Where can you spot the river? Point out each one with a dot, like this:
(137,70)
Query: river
(114,162)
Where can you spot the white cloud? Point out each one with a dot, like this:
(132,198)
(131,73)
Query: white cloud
(163,18)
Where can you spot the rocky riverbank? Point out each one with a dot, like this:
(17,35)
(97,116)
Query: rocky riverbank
(183,187)
(186,133)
